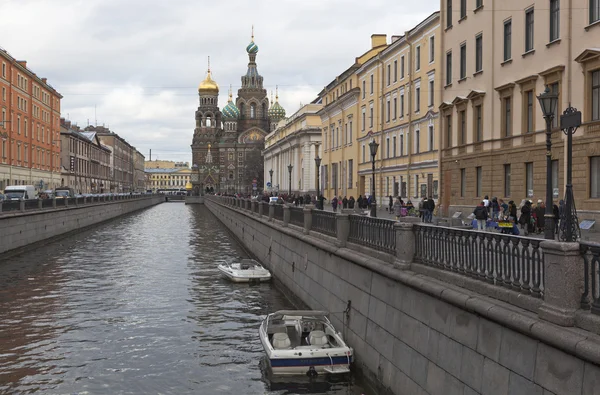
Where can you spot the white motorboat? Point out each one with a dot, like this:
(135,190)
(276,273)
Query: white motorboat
(304,342)
(248,270)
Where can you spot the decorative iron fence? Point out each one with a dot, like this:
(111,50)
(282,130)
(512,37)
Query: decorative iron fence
(278,214)
(504,260)
(297,216)
(255,207)
(46,203)
(590,298)
(324,222)
(31,204)
(372,232)
(11,205)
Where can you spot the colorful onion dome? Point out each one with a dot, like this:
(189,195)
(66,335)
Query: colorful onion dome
(252,47)
(230,110)
(276,112)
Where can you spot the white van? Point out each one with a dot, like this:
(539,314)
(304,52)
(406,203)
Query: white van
(20,192)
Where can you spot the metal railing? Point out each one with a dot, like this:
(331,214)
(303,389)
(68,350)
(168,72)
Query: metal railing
(509,261)
(372,232)
(297,216)
(590,298)
(8,206)
(324,222)
(278,212)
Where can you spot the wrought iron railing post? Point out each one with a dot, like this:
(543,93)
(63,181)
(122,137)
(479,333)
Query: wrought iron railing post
(308,218)
(406,240)
(563,282)
(286,215)
(342,229)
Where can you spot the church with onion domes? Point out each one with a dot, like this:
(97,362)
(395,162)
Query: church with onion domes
(227,144)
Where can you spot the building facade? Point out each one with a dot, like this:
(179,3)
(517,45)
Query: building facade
(165,164)
(167,179)
(391,96)
(227,144)
(29,127)
(497,57)
(295,141)
(85,161)
(139,174)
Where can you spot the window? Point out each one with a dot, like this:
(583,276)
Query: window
(350,172)
(529,179)
(417,142)
(529,30)
(372,84)
(448,131)
(555,178)
(389,110)
(478,53)
(431,89)
(364,119)
(389,74)
(594,11)
(554,20)
(371,116)
(416,194)
(363,154)
(506,180)
(478,181)
(463,9)
(463,182)
(4,70)
(506,108)
(507,40)
(418,59)
(364,90)
(4,94)
(448,13)
(394,147)
(401,145)
(430,138)
(350,132)
(463,127)
(395,70)
(596,95)
(463,61)
(417,99)
(387,147)
(431,49)
(529,111)
(395,107)
(18,124)
(402,66)
(402,105)
(252,112)
(478,3)
(595,177)
(449,68)
(478,124)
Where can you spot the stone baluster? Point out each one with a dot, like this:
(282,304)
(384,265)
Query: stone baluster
(308,218)
(54,202)
(22,205)
(40,203)
(253,206)
(405,244)
(563,282)
(66,200)
(342,229)
(286,215)
(271,211)
(0,206)
(261,208)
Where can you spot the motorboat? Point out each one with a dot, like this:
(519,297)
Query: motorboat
(304,342)
(248,270)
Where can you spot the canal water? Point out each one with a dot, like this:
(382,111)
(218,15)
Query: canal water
(135,306)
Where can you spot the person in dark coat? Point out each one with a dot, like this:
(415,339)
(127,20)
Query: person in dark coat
(525,219)
(359,201)
(390,204)
(344,202)
(556,213)
(351,202)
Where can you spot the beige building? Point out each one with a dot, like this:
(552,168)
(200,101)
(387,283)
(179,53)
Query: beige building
(497,57)
(295,141)
(165,164)
(166,180)
(85,160)
(139,175)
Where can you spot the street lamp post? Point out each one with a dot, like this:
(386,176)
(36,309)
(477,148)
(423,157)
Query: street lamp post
(290,167)
(271,175)
(373,146)
(548,101)
(569,224)
(318,166)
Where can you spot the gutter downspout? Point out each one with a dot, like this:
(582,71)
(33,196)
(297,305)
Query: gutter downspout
(381,115)
(570,54)
(409,136)
(493,85)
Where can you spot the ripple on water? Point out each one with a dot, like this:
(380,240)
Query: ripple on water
(135,306)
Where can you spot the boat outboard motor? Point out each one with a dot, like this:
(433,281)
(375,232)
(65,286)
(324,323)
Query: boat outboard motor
(312,372)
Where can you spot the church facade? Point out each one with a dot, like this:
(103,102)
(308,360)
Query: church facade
(227,144)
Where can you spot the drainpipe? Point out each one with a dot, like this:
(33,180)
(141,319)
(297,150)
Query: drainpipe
(409,136)
(381,116)
(570,56)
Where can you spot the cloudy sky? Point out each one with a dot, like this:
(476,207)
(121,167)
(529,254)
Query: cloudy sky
(134,65)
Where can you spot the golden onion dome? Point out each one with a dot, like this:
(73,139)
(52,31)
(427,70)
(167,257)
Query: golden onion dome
(208,85)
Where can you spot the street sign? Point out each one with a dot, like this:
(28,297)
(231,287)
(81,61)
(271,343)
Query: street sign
(269,184)
(254,181)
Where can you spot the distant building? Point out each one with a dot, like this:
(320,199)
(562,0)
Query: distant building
(166,164)
(167,179)
(139,175)
(29,127)
(85,160)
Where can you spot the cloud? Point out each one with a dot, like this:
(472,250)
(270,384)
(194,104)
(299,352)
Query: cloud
(135,64)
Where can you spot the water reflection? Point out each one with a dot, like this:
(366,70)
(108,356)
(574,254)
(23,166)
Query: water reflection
(136,306)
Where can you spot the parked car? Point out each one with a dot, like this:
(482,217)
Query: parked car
(64,192)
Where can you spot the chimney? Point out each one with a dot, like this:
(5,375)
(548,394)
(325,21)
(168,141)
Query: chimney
(378,40)
(396,38)
(22,63)
(44,80)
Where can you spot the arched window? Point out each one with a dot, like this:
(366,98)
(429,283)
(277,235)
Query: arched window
(242,110)
(252,110)
(264,110)
(208,121)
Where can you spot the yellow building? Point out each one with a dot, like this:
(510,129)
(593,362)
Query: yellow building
(165,164)
(388,95)
(340,118)
(169,179)
(294,142)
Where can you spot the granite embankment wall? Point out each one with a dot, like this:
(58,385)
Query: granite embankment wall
(20,229)
(413,334)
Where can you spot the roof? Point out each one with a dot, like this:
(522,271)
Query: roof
(165,171)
